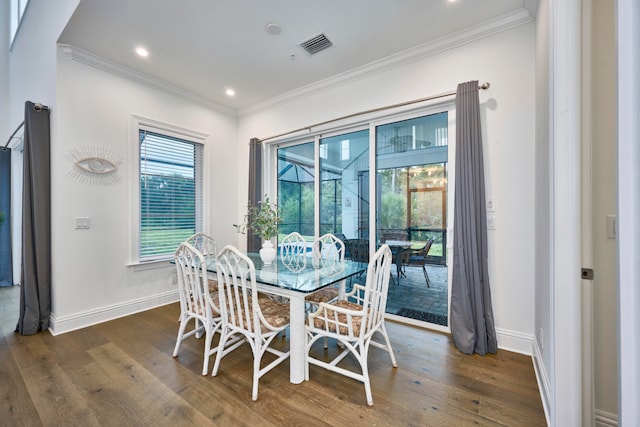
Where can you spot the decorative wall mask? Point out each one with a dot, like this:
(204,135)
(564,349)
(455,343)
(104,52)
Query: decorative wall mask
(95,165)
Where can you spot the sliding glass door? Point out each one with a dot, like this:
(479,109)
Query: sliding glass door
(411,164)
(325,186)
(344,201)
(296,193)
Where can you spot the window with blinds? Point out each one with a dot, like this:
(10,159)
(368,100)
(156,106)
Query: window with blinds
(170,193)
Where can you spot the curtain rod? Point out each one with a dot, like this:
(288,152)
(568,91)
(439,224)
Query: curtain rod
(37,106)
(483,86)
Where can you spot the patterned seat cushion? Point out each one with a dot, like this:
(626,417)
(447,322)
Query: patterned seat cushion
(328,318)
(213,285)
(216,300)
(274,312)
(323,295)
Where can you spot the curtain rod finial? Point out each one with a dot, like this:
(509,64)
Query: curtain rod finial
(485,85)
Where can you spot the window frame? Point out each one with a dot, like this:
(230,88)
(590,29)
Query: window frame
(17,9)
(270,165)
(138,124)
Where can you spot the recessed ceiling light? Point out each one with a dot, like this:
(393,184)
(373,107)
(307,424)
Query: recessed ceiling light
(273,28)
(142,52)
(230,92)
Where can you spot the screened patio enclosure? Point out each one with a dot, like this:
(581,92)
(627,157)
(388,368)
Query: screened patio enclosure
(324,186)
(296,177)
(343,198)
(411,194)
(412,181)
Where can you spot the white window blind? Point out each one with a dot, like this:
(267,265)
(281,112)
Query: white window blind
(170,193)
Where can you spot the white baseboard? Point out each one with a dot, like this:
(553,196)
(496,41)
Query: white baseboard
(544,385)
(602,418)
(606,419)
(72,322)
(514,341)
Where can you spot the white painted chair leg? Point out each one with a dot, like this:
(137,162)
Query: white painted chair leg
(183,325)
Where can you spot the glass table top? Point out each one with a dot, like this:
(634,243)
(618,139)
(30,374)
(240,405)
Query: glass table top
(300,273)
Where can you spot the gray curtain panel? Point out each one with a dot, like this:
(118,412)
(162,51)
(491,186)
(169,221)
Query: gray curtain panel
(35,292)
(255,188)
(6,271)
(471,321)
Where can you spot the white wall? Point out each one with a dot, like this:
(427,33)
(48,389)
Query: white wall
(91,277)
(4,74)
(33,57)
(91,281)
(506,60)
(604,168)
(565,103)
(628,106)
(543,244)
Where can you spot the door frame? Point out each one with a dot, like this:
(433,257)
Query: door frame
(628,37)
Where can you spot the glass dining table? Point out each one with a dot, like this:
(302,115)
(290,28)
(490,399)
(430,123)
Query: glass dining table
(295,278)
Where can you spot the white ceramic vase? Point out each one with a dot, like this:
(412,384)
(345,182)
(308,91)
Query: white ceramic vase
(268,252)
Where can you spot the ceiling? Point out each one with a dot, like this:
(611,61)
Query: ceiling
(204,47)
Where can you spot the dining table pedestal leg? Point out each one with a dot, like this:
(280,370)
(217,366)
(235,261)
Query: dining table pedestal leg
(297,340)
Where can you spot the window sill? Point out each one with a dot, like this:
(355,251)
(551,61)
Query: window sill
(149,265)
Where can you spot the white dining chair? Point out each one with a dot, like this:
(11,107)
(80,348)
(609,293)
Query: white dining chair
(293,252)
(293,245)
(197,303)
(206,245)
(327,249)
(244,314)
(353,322)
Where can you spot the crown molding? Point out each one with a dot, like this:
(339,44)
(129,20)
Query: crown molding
(439,45)
(452,41)
(136,76)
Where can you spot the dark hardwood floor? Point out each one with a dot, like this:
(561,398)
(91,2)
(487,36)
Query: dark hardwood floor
(121,373)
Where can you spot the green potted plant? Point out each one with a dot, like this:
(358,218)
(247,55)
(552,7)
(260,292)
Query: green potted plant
(263,221)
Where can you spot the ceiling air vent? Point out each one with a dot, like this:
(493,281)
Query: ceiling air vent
(316,44)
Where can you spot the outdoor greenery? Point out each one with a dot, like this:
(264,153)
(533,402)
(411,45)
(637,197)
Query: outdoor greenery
(425,185)
(167,201)
(168,213)
(393,211)
(1,217)
(296,207)
(331,206)
(262,219)
(162,240)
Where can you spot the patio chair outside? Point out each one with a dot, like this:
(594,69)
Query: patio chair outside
(418,258)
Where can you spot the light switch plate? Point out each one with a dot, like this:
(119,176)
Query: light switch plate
(491,220)
(611,227)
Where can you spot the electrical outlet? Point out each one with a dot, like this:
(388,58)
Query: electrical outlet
(540,339)
(83,223)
